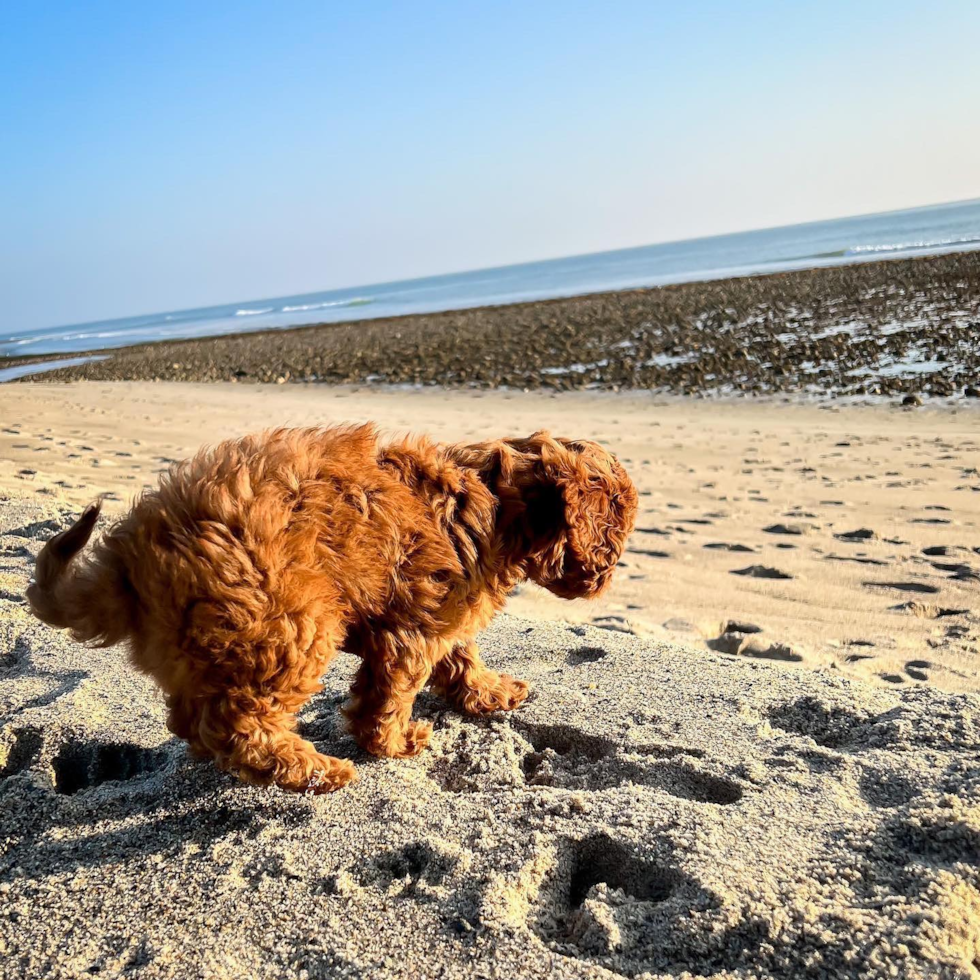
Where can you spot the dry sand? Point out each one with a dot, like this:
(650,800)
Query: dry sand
(670,804)
(744,540)
(653,811)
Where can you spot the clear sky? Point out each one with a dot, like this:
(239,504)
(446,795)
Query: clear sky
(160,156)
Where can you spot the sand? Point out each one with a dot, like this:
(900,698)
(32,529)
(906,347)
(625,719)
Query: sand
(653,811)
(827,537)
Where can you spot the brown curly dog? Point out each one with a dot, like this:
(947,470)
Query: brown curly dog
(237,581)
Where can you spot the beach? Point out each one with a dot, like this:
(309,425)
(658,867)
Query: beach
(838,538)
(756,755)
(330,331)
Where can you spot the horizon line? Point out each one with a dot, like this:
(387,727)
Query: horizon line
(513,265)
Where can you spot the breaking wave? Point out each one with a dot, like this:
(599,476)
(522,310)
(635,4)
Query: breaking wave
(913,246)
(356,301)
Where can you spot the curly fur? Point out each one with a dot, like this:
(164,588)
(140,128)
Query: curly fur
(239,578)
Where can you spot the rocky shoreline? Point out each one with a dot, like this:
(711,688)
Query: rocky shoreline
(882,328)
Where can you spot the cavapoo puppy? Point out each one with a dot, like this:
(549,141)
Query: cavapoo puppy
(239,578)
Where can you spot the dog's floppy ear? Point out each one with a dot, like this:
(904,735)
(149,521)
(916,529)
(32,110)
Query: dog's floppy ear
(580,511)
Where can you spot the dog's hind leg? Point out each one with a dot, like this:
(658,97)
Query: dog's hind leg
(257,739)
(241,711)
(379,714)
(466,682)
(243,678)
(182,722)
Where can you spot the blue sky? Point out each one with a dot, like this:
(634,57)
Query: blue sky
(164,156)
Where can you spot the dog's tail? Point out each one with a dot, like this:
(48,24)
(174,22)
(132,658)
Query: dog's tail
(91,597)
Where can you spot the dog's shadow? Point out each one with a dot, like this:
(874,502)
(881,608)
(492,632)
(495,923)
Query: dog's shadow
(127,802)
(102,802)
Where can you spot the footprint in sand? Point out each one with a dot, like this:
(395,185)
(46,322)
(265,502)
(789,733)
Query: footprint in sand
(792,529)
(831,727)
(613,623)
(649,553)
(860,534)
(959,571)
(565,757)
(725,546)
(925,610)
(599,865)
(944,551)
(911,670)
(83,765)
(917,669)
(856,559)
(411,869)
(904,587)
(586,655)
(744,640)
(762,571)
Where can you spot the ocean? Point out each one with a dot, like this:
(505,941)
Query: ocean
(918,231)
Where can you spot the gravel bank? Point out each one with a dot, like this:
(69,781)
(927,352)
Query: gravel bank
(884,328)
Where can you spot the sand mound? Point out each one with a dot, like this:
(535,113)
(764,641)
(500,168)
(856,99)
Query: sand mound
(652,811)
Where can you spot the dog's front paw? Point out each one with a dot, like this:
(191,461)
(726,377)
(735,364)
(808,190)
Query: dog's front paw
(504,694)
(417,736)
(393,744)
(513,692)
(330,777)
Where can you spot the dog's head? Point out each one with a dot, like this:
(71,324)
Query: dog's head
(577,508)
